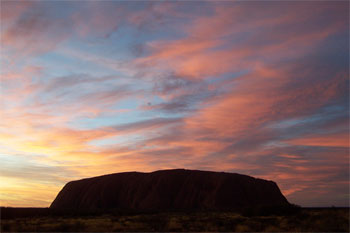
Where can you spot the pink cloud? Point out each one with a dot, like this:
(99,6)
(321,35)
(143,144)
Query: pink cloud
(200,55)
(328,140)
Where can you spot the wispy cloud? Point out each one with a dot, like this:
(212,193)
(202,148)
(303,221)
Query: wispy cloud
(102,87)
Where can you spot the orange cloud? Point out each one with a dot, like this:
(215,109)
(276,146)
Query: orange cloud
(329,140)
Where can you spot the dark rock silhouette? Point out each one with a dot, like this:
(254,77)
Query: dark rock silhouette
(166,190)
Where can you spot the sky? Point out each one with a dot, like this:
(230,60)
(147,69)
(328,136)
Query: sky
(96,87)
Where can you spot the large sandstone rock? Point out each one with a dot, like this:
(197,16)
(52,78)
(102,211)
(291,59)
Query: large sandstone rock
(165,190)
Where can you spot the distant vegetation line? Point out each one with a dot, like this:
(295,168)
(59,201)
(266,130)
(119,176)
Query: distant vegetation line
(15,212)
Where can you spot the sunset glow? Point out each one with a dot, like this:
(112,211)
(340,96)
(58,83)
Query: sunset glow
(99,87)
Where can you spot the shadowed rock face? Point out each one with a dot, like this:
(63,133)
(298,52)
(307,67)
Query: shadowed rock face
(177,189)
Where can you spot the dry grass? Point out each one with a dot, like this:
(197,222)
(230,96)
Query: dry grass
(307,220)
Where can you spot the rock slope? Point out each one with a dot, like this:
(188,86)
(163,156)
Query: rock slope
(166,190)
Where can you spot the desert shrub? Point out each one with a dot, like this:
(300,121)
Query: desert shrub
(272,229)
(243,228)
(63,227)
(155,222)
(78,226)
(173,224)
(5,227)
(330,224)
(117,227)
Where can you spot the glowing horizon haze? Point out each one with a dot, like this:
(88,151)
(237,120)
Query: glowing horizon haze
(253,87)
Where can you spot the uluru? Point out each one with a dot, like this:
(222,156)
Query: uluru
(165,190)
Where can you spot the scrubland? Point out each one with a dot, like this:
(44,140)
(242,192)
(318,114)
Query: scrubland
(304,220)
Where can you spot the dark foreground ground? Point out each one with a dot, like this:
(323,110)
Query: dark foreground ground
(303,220)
